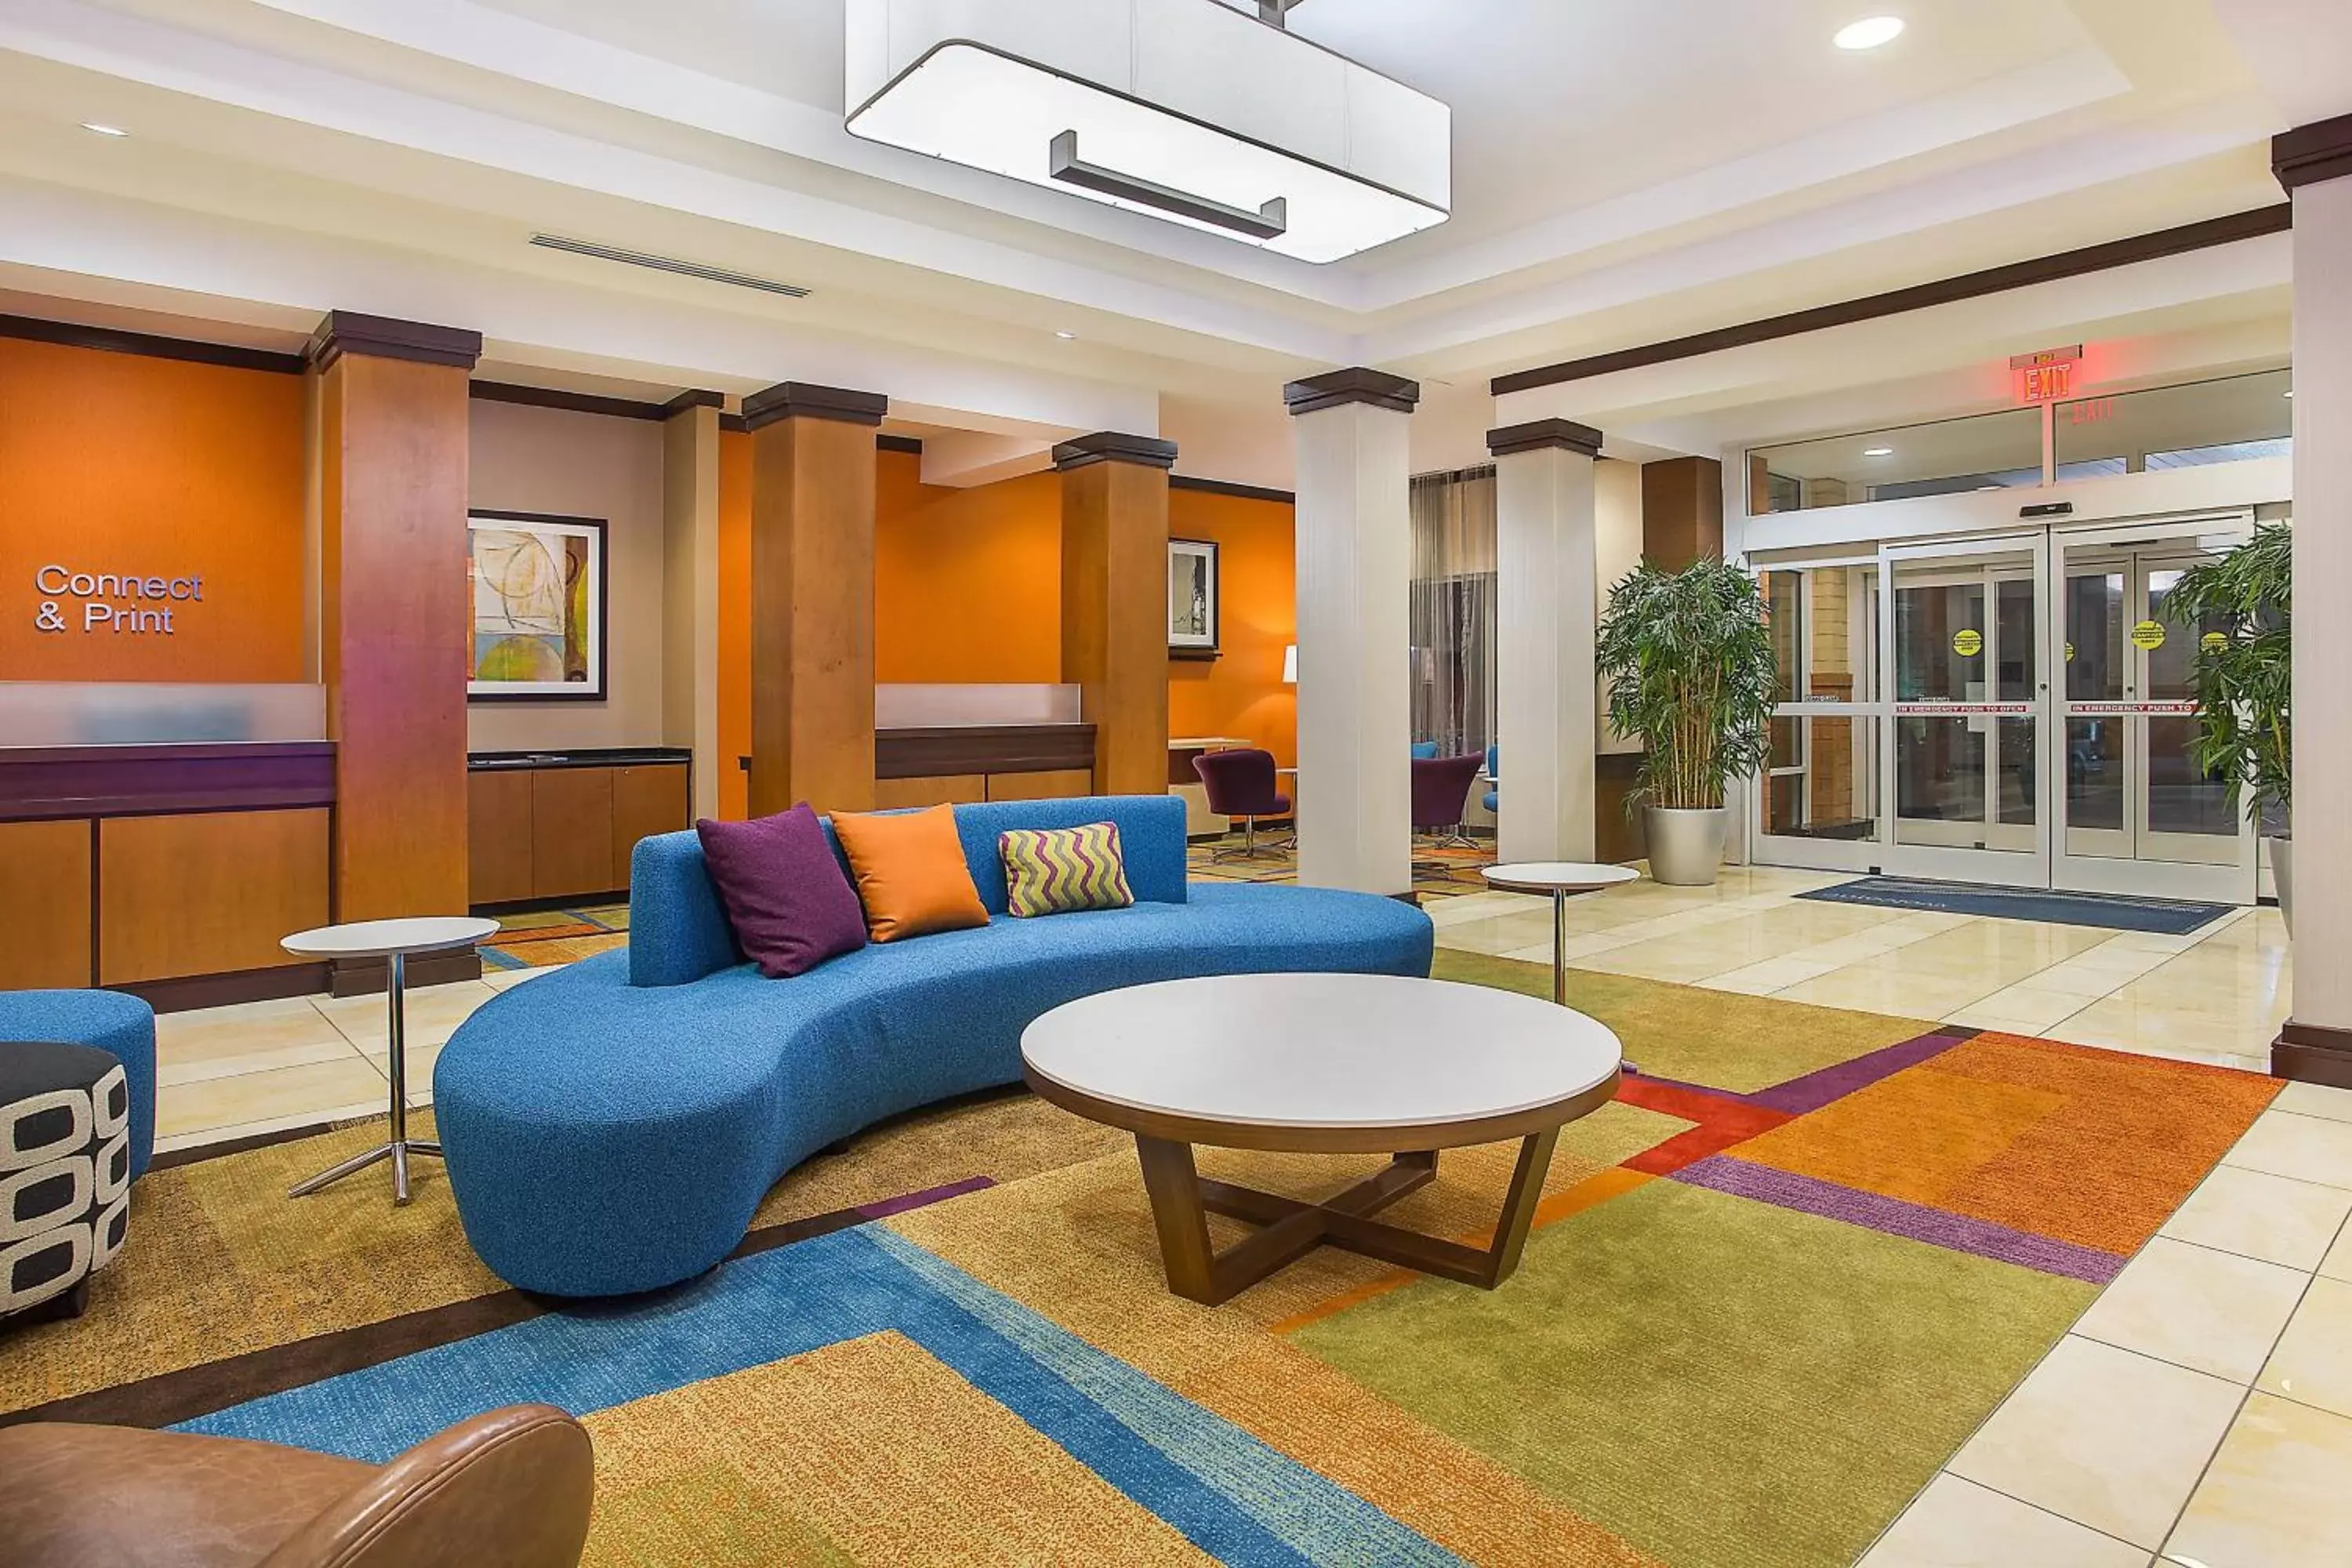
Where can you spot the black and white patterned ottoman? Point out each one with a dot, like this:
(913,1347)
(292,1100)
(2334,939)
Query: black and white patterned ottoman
(65,1174)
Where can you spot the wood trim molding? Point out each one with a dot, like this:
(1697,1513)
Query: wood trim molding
(801,400)
(386,337)
(690,399)
(733,424)
(1356,384)
(1114,447)
(572,402)
(1228,488)
(74,335)
(49,782)
(1542,435)
(951,749)
(190,991)
(2309,155)
(2113,253)
(2312,1053)
(909,445)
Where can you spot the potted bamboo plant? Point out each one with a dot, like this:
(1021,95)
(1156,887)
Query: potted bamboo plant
(2242,603)
(1688,658)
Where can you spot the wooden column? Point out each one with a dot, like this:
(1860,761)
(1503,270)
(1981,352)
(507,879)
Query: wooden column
(394,617)
(1547,704)
(1355,574)
(1115,601)
(1682,511)
(813,596)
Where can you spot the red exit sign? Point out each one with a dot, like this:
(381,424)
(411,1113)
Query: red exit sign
(2047,377)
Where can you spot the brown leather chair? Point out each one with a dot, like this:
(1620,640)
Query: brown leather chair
(511,1489)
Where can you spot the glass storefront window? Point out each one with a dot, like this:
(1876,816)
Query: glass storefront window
(2223,421)
(1983,451)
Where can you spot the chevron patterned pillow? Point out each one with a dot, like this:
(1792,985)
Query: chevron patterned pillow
(1056,871)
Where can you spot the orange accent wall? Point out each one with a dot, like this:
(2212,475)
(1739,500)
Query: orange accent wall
(125,464)
(1241,692)
(967,586)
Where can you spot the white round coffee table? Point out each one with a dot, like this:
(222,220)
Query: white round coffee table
(1560,879)
(391,941)
(1322,1064)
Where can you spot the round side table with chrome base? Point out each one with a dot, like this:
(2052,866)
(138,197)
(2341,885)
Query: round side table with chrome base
(393,942)
(1559,878)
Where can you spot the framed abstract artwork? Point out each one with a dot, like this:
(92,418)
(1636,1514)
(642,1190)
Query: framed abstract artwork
(1192,598)
(538,604)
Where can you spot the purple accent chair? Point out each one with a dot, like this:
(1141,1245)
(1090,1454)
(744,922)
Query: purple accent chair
(1441,794)
(1240,783)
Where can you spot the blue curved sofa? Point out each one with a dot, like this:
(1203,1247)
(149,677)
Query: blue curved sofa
(107,1020)
(610,1128)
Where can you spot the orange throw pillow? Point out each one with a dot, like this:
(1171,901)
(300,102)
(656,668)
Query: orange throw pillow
(910,870)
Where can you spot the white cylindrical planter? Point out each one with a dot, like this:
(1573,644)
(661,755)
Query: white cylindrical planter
(1686,845)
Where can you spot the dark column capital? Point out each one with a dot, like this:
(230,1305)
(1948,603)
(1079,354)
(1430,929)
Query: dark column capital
(1538,434)
(382,337)
(1334,388)
(800,400)
(2311,153)
(1114,447)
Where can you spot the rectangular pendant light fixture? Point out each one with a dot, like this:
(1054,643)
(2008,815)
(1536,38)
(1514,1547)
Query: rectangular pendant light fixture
(1187,110)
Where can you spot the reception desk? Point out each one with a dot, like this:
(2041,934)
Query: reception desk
(165,870)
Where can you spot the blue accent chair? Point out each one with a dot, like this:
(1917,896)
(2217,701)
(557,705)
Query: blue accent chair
(1424,751)
(107,1019)
(611,1128)
(1494,779)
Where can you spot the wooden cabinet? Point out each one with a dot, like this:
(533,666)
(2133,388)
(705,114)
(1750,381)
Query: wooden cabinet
(647,800)
(45,904)
(206,892)
(498,837)
(566,831)
(572,833)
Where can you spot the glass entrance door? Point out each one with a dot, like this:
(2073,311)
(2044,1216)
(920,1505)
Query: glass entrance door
(2137,813)
(1962,625)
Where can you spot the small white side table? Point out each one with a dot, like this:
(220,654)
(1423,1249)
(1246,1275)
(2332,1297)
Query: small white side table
(391,941)
(1560,879)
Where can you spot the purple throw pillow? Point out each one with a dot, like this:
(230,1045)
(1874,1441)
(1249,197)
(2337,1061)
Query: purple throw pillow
(788,898)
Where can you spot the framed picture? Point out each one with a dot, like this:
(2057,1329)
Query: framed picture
(1192,598)
(538,603)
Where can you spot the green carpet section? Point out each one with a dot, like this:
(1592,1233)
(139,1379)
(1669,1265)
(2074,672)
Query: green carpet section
(1719,1038)
(1769,1397)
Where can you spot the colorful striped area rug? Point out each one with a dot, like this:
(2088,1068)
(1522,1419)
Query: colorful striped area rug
(544,938)
(1769,1292)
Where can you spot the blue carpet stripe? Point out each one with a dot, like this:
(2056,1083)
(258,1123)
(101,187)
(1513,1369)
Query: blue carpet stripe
(1230,1495)
(1326,1522)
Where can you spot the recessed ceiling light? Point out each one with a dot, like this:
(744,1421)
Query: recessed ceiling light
(104,129)
(1066,337)
(1869,33)
(1878,451)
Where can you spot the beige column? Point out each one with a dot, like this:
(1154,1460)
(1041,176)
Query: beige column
(2315,164)
(813,596)
(1547,726)
(690,589)
(1115,601)
(1355,570)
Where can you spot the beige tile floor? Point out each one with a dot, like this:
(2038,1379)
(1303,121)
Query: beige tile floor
(2216,995)
(2199,1416)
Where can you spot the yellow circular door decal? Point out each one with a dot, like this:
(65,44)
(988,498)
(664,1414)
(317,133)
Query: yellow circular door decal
(1968,642)
(2149,635)
(2213,642)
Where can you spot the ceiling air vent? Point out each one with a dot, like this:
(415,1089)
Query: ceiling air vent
(668,264)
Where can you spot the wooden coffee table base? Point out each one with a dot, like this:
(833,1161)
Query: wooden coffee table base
(1181,1201)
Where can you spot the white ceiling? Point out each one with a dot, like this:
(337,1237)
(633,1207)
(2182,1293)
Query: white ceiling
(1621,172)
